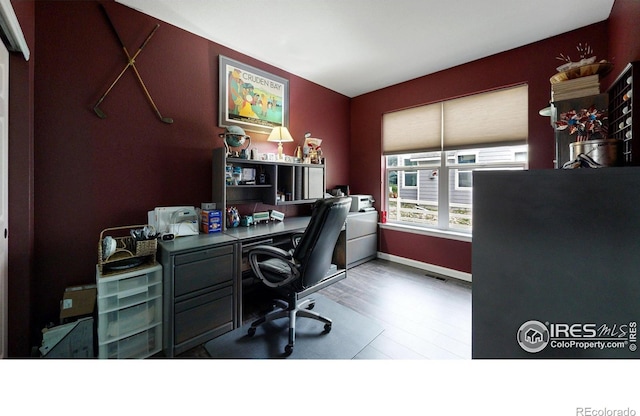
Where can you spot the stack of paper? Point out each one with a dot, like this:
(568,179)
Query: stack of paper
(575,88)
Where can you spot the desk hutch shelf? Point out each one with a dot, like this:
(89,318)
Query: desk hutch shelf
(283,183)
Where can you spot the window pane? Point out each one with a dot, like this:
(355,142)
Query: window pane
(417,159)
(460,199)
(467,158)
(410,178)
(418,204)
(464,179)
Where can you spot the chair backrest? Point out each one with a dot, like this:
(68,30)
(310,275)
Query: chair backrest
(315,249)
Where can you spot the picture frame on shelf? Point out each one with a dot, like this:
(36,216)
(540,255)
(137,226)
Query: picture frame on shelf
(251,98)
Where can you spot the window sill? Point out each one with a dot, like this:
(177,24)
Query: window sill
(431,232)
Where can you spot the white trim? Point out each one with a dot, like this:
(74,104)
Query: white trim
(11,27)
(431,232)
(455,274)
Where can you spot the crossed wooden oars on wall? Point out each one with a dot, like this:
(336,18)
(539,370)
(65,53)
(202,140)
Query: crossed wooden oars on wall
(130,63)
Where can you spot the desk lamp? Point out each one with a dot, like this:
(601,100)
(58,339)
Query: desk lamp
(280,134)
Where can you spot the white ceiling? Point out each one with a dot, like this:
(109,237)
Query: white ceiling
(357,46)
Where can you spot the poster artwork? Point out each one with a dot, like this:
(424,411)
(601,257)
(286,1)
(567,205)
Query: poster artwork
(254,100)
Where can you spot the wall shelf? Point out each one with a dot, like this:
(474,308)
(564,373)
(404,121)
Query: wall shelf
(623,112)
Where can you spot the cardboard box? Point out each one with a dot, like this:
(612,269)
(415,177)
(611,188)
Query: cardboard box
(78,301)
(211,221)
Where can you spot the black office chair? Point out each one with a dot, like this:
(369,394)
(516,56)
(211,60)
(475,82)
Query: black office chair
(303,270)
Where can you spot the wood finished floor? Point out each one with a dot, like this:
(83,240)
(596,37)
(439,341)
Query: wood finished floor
(423,317)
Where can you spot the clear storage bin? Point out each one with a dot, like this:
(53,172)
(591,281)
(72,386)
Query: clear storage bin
(130,313)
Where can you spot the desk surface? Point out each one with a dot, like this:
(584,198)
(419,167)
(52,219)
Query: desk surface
(289,225)
(232,235)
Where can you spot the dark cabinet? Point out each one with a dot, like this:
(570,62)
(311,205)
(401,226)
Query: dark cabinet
(202,293)
(562,253)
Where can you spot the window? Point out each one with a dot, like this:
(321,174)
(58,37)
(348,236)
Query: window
(430,179)
(410,176)
(464,180)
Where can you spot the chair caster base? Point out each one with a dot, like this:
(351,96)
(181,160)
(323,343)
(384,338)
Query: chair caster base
(288,349)
(251,332)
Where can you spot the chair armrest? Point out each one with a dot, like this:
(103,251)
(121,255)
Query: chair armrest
(273,252)
(295,239)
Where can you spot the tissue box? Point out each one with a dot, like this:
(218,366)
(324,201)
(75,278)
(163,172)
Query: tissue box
(211,221)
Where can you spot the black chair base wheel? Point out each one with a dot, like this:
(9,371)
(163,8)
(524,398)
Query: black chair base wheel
(288,349)
(251,332)
(327,327)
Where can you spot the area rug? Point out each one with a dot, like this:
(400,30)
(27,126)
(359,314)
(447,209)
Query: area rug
(350,333)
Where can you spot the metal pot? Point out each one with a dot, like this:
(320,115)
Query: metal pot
(606,152)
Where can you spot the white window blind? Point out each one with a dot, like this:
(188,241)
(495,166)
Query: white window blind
(491,118)
(485,119)
(415,128)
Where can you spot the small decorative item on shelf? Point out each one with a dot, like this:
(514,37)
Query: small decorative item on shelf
(592,149)
(235,137)
(588,123)
(233,218)
(313,146)
(586,66)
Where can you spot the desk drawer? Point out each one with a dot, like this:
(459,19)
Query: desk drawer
(360,248)
(206,272)
(203,254)
(203,313)
(361,224)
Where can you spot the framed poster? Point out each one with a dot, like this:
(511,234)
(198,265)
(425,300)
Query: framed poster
(251,98)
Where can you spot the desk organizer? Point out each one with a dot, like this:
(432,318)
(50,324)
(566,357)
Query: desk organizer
(130,253)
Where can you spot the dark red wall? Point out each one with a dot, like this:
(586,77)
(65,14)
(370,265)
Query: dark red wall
(624,36)
(91,174)
(617,40)
(21,192)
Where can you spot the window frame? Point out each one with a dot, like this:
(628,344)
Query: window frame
(446,165)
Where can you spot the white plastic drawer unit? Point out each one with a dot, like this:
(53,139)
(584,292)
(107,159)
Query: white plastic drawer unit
(130,313)
(131,296)
(125,322)
(142,344)
(122,285)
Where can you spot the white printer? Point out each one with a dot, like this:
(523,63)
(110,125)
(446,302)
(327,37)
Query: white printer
(178,221)
(362,203)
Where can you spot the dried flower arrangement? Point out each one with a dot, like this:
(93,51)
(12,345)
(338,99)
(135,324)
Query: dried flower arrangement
(586,58)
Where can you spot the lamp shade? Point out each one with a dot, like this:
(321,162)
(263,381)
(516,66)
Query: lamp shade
(280,134)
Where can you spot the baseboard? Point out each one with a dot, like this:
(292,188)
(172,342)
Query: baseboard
(438,270)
